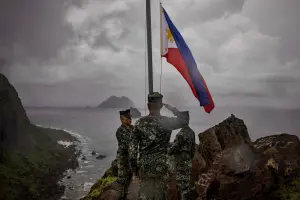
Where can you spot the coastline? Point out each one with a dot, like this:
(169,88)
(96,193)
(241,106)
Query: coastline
(72,143)
(36,171)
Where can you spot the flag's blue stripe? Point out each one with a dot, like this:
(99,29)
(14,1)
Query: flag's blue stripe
(189,62)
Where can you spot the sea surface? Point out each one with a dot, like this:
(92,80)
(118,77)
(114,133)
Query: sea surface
(96,129)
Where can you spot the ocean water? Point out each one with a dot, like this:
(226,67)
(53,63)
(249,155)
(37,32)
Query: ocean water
(96,129)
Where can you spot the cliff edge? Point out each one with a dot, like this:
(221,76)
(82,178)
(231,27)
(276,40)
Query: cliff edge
(31,160)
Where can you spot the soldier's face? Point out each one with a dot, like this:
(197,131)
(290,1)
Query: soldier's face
(125,120)
(128,121)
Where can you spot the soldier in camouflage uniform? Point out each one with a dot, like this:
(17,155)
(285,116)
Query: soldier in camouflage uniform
(123,134)
(150,139)
(183,149)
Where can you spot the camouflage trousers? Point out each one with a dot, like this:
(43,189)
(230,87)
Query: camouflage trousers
(124,177)
(153,189)
(183,178)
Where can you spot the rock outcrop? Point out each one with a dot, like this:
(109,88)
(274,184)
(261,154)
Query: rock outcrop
(228,166)
(117,102)
(31,160)
(240,169)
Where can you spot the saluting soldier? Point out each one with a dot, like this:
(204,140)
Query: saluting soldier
(150,139)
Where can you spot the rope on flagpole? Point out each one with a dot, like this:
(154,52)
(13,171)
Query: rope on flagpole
(146,66)
(160,73)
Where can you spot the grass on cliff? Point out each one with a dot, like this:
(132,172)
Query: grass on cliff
(107,179)
(29,169)
(291,190)
(17,177)
(97,189)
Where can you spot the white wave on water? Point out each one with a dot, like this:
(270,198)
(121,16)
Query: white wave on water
(83,140)
(66,144)
(89,166)
(80,172)
(87,186)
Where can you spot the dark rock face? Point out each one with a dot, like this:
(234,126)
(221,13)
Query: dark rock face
(286,146)
(239,169)
(135,113)
(31,160)
(12,114)
(230,133)
(117,102)
(284,143)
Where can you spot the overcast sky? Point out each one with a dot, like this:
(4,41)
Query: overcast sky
(67,52)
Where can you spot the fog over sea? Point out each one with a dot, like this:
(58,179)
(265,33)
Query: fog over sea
(96,129)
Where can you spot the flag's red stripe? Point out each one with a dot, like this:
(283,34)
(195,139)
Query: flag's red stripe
(174,58)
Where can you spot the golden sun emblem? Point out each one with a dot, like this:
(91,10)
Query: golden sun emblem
(169,35)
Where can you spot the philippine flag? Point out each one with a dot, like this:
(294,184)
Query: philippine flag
(177,53)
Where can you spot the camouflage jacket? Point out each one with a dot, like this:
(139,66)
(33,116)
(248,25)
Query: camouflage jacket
(151,140)
(184,143)
(123,135)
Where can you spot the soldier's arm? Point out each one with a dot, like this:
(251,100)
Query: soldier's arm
(120,139)
(173,123)
(133,148)
(175,147)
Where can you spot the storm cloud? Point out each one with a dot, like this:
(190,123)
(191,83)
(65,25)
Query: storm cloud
(61,52)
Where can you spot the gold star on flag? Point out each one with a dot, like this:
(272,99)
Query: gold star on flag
(169,36)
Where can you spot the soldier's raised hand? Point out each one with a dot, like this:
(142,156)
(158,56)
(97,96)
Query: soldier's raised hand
(174,110)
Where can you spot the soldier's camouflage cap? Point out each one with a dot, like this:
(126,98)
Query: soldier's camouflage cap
(125,113)
(185,114)
(155,97)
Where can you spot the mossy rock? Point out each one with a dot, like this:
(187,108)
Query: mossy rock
(107,179)
(291,190)
(99,187)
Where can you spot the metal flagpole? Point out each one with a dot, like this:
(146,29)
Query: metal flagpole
(161,44)
(149,45)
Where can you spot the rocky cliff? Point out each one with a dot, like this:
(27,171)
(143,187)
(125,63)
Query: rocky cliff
(12,115)
(228,166)
(31,160)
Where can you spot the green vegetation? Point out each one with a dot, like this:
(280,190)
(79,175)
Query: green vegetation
(97,189)
(290,190)
(31,171)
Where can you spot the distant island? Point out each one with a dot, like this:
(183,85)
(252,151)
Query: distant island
(117,102)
